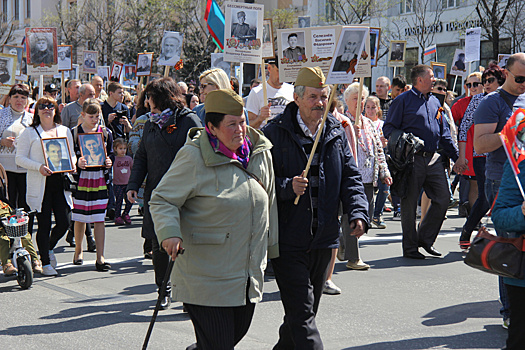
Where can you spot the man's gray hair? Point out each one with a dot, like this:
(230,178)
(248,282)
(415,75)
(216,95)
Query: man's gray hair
(182,84)
(73,81)
(300,89)
(83,88)
(354,89)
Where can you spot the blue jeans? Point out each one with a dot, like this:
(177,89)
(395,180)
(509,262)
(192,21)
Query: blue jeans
(491,190)
(464,188)
(382,194)
(481,206)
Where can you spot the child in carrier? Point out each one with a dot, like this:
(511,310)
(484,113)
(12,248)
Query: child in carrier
(121,170)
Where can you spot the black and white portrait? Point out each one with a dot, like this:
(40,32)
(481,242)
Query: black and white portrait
(103,72)
(502,60)
(217,61)
(293,46)
(439,69)
(6,74)
(64,57)
(89,60)
(244,24)
(459,63)
(303,22)
(171,48)
(57,154)
(116,71)
(144,64)
(18,51)
(41,49)
(396,54)
(349,51)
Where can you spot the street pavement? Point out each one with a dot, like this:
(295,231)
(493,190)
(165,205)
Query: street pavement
(437,303)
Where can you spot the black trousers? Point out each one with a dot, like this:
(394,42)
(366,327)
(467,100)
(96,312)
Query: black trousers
(429,174)
(16,192)
(54,202)
(516,338)
(300,277)
(220,328)
(160,263)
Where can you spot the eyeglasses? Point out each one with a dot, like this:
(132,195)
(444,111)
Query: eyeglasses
(203,86)
(43,106)
(441,89)
(475,84)
(489,80)
(518,79)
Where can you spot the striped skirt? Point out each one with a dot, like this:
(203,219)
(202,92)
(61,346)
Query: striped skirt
(91,198)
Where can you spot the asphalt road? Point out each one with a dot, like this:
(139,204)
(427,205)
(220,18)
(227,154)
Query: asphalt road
(437,303)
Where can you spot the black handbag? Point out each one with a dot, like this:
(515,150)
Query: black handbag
(70,182)
(497,255)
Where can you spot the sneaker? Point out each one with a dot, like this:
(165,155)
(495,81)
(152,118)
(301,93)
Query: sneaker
(506,323)
(52,259)
(119,221)
(378,223)
(37,266)
(397,216)
(9,269)
(357,265)
(127,219)
(340,253)
(453,203)
(331,288)
(48,270)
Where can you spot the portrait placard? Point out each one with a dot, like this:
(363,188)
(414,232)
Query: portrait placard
(57,154)
(439,69)
(171,48)
(364,68)
(472,44)
(396,57)
(130,75)
(243,32)
(459,67)
(116,71)
(89,61)
(103,72)
(502,60)
(41,46)
(375,39)
(144,64)
(348,53)
(93,149)
(303,22)
(7,72)
(217,61)
(19,52)
(268,46)
(64,57)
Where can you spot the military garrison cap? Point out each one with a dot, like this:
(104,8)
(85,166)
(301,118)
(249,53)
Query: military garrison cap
(224,101)
(311,77)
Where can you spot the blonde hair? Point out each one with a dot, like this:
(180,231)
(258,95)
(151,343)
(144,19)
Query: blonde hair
(354,89)
(475,74)
(217,77)
(377,103)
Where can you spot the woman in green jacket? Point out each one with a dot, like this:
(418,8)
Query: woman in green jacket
(217,201)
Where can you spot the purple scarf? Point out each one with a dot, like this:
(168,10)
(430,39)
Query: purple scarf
(242,154)
(162,118)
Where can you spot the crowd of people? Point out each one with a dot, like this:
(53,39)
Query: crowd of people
(247,208)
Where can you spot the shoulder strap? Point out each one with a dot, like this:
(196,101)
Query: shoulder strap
(250,173)
(34,127)
(505,98)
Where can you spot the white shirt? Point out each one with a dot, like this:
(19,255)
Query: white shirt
(277,98)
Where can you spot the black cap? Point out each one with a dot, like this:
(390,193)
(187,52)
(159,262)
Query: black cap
(50,88)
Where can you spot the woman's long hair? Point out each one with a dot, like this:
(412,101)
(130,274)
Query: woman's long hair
(46,100)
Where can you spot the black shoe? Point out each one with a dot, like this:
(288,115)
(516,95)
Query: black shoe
(70,238)
(148,255)
(92,246)
(192,347)
(414,255)
(432,251)
(165,303)
(111,214)
(102,267)
(464,210)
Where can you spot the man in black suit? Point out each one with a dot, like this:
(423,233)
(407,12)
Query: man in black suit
(54,157)
(4,73)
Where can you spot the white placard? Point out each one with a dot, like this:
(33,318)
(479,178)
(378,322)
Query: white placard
(459,66)
(171,48)
(472,44)
(347,55)
(243,32)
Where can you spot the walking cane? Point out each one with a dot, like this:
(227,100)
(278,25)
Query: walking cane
(159,300)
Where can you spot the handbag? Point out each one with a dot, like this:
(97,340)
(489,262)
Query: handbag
(497,255)
(70,182)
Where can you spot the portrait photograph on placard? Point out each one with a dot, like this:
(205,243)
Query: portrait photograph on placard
(130,75)
(348,53)
(268,46)
(243,37)
(18,51)
(144,64)
(375,39)
(64,57)
(116,71)
(41,44)
(89,62)
(217,61)
(103,72)
(7,72)
(502,60)
(57,154)
(396,56)
(459,66)
(303,22)
(93,149)
(293,43)
(171,48)
(439,69)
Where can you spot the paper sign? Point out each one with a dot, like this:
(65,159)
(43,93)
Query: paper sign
(243,32)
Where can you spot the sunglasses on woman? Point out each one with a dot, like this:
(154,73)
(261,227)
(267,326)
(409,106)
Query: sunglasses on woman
(518,79)
(43,106)
(489,80)
(441,89)
(475,84)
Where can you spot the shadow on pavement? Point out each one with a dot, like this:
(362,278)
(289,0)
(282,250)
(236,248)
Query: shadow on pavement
(493,337)
(462,312)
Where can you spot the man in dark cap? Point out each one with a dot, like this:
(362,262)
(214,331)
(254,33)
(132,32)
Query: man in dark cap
(51,90)
(309,230)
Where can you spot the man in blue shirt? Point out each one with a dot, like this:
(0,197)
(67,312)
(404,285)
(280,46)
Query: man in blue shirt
(489,119)
(418,112)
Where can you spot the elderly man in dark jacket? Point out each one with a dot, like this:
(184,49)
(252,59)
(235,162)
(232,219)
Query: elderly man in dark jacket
(309,230)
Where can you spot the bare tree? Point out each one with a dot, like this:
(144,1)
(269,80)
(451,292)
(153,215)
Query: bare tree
(7,28)
(282,18)
(514,26)
(492,14)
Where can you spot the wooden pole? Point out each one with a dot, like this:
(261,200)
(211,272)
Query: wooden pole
(454,86)
(241,78)
(166,71)
(63,89)
(41,87)
(394,71)
(265,92)
(359,97)
(319,132)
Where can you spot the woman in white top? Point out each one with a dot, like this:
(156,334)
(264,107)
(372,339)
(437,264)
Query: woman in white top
(47,194)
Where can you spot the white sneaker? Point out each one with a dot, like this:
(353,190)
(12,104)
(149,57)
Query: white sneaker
(357,265)
(506,323)
(331,288)
(52,259)
(341,253)
(48,270)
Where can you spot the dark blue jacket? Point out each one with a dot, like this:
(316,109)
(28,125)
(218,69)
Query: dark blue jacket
(339,182)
